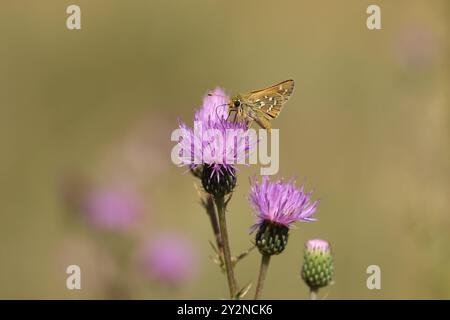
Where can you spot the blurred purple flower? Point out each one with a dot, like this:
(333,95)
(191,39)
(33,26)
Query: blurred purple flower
(170,259)
(280,202)
(416,46)
(214,141)
(114,209)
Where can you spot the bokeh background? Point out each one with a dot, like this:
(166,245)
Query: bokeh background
(86,116)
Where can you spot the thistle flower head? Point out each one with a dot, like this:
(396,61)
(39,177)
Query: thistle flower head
(278,205)
(318,267)
(280,202)
(215,144)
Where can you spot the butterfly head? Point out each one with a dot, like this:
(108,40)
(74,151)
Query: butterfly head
(235,103)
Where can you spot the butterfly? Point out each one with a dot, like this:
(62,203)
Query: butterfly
(262,105)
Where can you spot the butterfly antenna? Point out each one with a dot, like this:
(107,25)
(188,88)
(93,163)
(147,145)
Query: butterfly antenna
(210,94)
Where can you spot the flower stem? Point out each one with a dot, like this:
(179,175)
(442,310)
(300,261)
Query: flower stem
(265,259)
(313,294)
(220,203)
(211,211)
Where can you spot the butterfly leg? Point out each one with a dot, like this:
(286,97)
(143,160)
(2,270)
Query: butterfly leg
(229,113)
(235,117)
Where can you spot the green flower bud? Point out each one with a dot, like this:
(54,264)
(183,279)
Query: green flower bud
(318,268)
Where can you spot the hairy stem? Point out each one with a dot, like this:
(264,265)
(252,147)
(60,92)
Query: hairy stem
(265,259)
(220,203)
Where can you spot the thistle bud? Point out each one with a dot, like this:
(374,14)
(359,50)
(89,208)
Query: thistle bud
(271,238)
(318,268)
(218,180)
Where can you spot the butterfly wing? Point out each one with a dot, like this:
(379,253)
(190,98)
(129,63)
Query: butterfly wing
(263,123)
(270,101)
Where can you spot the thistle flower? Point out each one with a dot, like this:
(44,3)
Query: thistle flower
(318,268)
(278,205)
(215,145)
(169,259)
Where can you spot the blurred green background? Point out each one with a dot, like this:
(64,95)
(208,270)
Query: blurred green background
(367,129)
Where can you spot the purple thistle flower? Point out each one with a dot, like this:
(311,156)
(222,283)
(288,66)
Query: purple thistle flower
(215,143)
(214,108)
(169,259)
(280,202)
(212,141)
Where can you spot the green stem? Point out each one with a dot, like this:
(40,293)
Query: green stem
(265,259)
(211,210)
(313,294)
(220,203)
